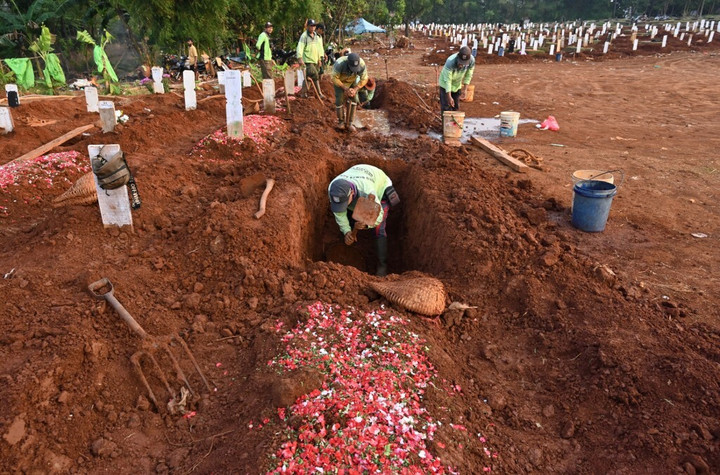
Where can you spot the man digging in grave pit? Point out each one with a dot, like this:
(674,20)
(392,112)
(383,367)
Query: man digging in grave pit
(310,51)
(344,191)
(349,76)
(264,55)
(455,76)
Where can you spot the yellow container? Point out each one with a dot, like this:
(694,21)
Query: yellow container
(470,93)
(453,124)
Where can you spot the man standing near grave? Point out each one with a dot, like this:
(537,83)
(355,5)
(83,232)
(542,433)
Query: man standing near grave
(264,55)
(344,191)
(349,76)
(310,51)
(192,56)
(455,76)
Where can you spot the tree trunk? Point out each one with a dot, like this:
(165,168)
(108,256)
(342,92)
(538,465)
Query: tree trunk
(702,5)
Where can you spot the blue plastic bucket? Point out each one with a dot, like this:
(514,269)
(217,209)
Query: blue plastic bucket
(591,204)
(558,57)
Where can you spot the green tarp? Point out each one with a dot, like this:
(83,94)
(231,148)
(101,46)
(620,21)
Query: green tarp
(24,75)
(102,61)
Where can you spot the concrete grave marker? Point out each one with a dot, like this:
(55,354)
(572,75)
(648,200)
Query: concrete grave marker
(246,79)
(190,95)
(91,99)
(233,108)
(158,87)
(107,116)
(6,120)
(269,96)
(114,204)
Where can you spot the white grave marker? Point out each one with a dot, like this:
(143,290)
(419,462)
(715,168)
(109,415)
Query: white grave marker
(158,87)
(269,96)
(233,108)
(300,78)
(246,79)
(114,204)
(221,82)
(290,82)
(664,41)
(91,99)
(107,116)
(6,121)
(190,95)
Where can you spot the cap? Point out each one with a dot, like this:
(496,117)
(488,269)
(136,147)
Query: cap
(320,26)
(353,61)
(464,55)
(339,192)
(311,22)
(268,25)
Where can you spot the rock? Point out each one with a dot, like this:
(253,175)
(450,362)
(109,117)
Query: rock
(536,216)
(549,410)
(253,303)
(568,430)
(702,431)
(198,287)
(16,431)
(536,456)
(286,391)
(192,301)
(134,421)
(142,403)
(689,469)
(488,351)
(700,465)
(549,259)
(497,401)
(63,397)
(452,318)
(103,447)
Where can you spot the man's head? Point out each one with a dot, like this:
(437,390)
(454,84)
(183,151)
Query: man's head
(268,27)
(320,28)
(311,25)
(189,41)
(353,61)
(464,56)
(339,194)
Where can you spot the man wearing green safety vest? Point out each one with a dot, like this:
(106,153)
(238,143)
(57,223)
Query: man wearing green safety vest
(344,191)
(456,75)
(264,52)
(349,76)
(310,51)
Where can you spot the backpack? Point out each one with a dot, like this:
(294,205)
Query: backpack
(111,173)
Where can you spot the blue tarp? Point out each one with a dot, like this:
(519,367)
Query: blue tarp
(361,26)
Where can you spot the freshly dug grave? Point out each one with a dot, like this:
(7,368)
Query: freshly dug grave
(561,366)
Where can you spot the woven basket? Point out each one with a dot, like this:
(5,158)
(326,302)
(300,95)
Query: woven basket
(83,192)
(423,295)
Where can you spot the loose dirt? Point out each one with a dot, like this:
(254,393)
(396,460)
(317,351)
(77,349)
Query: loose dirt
(585,352)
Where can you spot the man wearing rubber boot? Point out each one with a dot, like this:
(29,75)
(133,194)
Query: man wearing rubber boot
(310,51)
(455,76)
(362,181)
(349,76)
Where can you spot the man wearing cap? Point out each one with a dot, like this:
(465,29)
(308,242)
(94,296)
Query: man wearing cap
(344,191)
(456,75)
(349,76)
(366,94)
(264,52)
(310,51)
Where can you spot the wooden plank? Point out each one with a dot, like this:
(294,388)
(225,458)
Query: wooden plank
(114,204)
(51,145)
(38,97)
(499,154)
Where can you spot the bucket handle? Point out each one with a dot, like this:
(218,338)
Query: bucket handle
(622,176)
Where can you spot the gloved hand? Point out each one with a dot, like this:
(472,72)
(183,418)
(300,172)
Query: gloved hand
(350,238)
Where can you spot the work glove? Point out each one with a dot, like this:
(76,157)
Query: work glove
(350,238)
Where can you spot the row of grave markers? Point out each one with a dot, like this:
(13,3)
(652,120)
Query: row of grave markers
(495,37)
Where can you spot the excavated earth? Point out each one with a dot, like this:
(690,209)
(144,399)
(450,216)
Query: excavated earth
(582,352)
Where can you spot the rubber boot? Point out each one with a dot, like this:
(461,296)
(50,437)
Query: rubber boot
(381,249)
(340,111)
(351,116)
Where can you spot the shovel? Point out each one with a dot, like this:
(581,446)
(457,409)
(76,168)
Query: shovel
(103,290)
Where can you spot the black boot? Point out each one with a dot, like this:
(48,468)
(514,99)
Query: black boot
(381,248)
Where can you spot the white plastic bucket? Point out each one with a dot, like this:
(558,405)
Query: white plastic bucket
(453,124)
(509,123)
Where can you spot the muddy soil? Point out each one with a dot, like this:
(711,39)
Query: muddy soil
(586,352)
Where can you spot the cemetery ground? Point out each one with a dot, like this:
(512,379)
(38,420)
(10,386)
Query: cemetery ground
(582,352)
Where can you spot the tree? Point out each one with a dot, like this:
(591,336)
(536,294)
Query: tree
(414,9)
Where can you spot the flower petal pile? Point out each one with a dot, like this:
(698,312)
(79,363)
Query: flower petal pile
(367,416)
(257,127)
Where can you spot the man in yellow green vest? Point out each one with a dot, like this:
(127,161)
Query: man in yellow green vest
(456,75)
(264,55)
(344,191)
(349,76)
(310,51)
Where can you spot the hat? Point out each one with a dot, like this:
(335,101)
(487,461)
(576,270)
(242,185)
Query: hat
(339,192)
(320,26)
(464,56)
(268,25)
(311,22)
(353,61)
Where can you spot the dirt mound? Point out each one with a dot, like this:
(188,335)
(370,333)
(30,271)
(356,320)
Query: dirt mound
(408,106)
(555,352)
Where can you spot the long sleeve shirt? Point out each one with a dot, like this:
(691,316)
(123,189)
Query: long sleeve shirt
(310,49)
(367,180)
(343,77)
(263,46)
(453,76)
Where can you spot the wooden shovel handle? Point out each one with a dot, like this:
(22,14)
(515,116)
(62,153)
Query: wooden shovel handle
(263,199)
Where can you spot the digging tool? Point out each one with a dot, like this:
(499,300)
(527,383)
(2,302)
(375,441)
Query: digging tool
(317,92)
(263,199)
(103,290)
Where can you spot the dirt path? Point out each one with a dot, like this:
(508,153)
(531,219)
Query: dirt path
(586,352)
